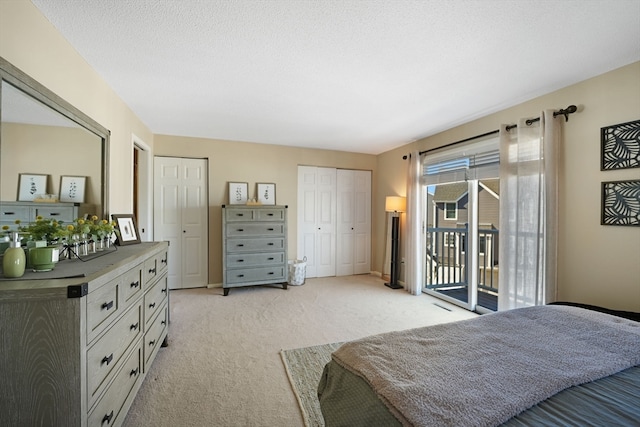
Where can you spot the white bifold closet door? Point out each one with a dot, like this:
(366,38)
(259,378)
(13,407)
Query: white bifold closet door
(353,248)
(334,221)
(181,217)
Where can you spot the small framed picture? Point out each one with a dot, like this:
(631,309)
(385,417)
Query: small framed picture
(266,193)
(238,193)
(72,188)
(30,185)
(126,229)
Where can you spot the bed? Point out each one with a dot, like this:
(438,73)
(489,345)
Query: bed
(558,364)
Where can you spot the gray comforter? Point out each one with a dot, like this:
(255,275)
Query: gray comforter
(485,371)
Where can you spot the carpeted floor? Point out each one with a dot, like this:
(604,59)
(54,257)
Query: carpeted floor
(304,367)
(223,365)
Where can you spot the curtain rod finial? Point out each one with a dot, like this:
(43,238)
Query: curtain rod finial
(569,110)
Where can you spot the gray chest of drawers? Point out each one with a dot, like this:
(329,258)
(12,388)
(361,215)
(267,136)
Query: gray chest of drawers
(27,212)
(76,349)
(254,246)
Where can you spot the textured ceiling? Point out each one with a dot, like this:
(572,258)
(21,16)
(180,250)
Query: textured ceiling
(353,75)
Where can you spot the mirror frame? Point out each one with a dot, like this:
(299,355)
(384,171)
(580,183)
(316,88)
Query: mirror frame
(22,81)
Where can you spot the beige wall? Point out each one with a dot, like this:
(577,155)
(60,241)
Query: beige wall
(31,43)
(597,264)
(253,163)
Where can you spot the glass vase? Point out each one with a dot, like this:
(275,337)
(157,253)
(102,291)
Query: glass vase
(91,246)
(83,245)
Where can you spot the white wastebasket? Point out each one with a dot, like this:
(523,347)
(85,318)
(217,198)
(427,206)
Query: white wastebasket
(297,271)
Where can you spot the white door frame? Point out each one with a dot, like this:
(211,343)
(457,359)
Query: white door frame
(145,187)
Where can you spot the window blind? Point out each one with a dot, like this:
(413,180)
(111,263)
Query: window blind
(475,160)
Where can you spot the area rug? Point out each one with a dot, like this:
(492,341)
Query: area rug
(304,368)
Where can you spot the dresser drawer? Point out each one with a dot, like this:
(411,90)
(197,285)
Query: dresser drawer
(255,259)
(108,411)
(268,214)
(162,262)
(149,271)
(154,334)
(131,285)
(62,213)
(9,214)
(255,274)
(102,307)
(255,229)
(239,214)
(104,356)
(255,245)
(154,299)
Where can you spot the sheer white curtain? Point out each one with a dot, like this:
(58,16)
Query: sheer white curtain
(413,228)
(528,212)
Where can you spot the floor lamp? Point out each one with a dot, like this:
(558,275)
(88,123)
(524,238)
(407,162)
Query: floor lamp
(395,205)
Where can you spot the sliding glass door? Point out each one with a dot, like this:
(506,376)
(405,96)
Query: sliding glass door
(463,223)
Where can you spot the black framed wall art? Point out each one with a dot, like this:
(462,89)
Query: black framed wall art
(620,146)
(621,203)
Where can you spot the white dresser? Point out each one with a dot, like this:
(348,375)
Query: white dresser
(77,342)
(254,246)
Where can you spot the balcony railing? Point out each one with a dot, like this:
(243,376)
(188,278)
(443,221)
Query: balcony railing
(447,259)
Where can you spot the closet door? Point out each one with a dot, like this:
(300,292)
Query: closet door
(353,250)
(181,217)
(317,219)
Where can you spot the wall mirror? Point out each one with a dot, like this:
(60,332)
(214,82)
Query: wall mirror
(40,133)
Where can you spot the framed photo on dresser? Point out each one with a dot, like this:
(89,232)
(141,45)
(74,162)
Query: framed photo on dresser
(238,193)
(30,185)
(126,229)
(266,193)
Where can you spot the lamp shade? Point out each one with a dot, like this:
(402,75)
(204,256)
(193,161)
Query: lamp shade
(395,204)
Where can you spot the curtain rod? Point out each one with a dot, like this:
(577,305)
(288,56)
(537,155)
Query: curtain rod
(564,112)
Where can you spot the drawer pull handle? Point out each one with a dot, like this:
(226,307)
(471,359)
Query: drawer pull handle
(240,245)
(240,229)
(270,244)
(240,260)
(107,305)
(9,213)
(240,275)
(152,342)
(54,213)
(269,229)
(270,259)
(164,290)
(163,261)
(152,270)
(271,272)
(135,284)
(270,214)
(152,305)
(134,326)
(107,359)
(239,214)
(107,418)
(133,372)
(164,322)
